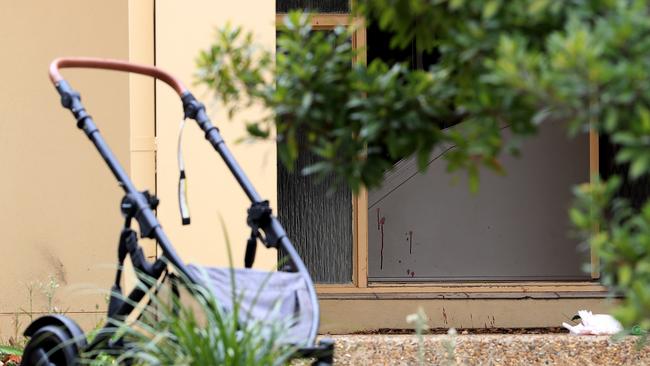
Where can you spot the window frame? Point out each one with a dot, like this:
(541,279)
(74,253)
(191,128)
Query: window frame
(359,283)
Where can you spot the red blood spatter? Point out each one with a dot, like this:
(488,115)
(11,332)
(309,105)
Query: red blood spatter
(378,218)
(412,274)
(381,253)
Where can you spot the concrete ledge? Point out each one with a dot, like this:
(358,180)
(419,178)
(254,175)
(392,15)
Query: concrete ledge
(551,349)
(466,295)
(345,316)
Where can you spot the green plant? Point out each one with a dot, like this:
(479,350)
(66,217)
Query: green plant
(184,338)
(30,302)
(357,119)
(592,73)
(16,340)
(175,331)
(622,241)
(579,62)
(449,344)
(10,350)
(49,289)
(419,321)
(10,355)
(103,360)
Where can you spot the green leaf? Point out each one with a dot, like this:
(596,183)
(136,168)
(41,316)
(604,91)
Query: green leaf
(537,6)
(578,218)
(456,4)
(9,350)
(307,99)
(423,159)
(319,167)
(490,8)
(255,130)
(581,64)
(644,116)
(625,154)
(639,166)
(624,275)
(611,120)
(285,157)
(473,179)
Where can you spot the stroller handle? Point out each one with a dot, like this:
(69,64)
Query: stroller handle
(275,235)
(116,65)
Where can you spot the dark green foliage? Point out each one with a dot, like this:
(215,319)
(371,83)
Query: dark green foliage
(623,244)
(357,119)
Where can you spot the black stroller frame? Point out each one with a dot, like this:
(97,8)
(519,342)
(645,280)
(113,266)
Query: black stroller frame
(56,339)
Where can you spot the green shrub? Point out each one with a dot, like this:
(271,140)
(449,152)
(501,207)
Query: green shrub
(583,63)
(191,328)
(196,330)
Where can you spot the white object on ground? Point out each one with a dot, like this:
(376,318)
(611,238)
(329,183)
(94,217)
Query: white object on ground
(594,324)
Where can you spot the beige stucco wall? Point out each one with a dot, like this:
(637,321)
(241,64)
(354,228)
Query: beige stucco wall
(59,203)
(142,103)
(182,29)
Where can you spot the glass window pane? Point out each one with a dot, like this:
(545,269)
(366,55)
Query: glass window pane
(423,227)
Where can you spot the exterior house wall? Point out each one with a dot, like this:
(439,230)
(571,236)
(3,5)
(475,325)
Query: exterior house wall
(60,204)
(182,29)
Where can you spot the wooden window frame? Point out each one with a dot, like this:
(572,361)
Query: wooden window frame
(359,285)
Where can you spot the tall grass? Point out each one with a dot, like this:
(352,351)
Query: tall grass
(174,331)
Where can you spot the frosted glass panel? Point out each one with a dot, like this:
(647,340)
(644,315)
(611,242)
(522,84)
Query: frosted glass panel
(318,222)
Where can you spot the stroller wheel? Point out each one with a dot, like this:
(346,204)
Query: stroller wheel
(50,345)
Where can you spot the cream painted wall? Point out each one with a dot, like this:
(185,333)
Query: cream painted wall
(141,103)
(59,203)
(182,29)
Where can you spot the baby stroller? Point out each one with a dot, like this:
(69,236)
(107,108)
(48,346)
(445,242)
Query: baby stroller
(58,340)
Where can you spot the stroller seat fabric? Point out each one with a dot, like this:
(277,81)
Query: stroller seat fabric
(263,296)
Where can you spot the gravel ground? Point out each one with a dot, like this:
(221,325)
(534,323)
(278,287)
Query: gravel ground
(489,349)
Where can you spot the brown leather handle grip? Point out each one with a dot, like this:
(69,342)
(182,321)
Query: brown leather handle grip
(117,65)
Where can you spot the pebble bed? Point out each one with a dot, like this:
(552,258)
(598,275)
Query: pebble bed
(489,349)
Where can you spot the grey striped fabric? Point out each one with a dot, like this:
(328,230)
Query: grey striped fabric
(264,296)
